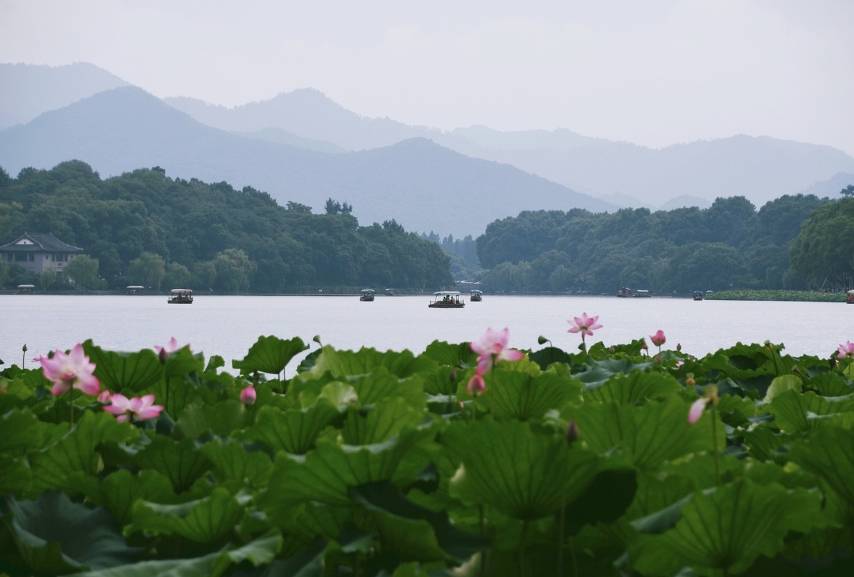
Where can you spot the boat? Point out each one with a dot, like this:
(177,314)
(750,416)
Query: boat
(476,296)
(389,292)
(850,299)
(699,295)
(626,292)
(26,289)
(367,295)
(447,300)
(180,297)
(134,289)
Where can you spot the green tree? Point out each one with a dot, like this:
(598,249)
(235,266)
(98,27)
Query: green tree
(148,269)
(82,271)
(822,253)
(847,191)
(177,276)
(233,270)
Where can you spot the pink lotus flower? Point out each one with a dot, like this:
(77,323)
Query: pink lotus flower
(72,370)
(248,395)
(164,351)
(658,338)
(696,411)
(104,397)
(476,384)
(135,408)
(846,349)
(490,347)
(584,325)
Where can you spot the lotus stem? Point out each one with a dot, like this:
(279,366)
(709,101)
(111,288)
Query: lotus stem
(715,445)
(561,539)
(572,556)
(482,520)
(523,542)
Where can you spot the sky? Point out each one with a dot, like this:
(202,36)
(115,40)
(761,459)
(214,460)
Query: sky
(654,72)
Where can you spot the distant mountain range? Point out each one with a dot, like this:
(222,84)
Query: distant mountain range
(284,145)
(29,90)
(417,182)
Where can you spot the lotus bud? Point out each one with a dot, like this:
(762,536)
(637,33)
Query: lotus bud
(248,395)
(689,380)
(572,432)
(541,340)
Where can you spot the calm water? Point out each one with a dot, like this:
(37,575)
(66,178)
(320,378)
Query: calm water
(229,325)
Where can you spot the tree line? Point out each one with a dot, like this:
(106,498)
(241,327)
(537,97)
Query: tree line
(148,229)
(792,242)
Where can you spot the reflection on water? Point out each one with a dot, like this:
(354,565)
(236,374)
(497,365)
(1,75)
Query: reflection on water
(229,325)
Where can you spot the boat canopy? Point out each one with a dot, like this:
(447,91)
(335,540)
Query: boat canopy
(181,291)
(136,287)
(476,292)
(368,291)
(447,293)
(26,286)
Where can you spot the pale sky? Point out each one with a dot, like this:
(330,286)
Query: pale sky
(653,72)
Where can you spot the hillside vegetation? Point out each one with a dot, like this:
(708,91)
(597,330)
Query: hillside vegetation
(145,228)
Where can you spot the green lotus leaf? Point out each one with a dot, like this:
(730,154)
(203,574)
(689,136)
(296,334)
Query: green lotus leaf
(22,432)
(413,532)
(209,520)
(125,372)
(366,360)
(829,384)
(726,529)
(453,354)
(524,474)
(381,384)
(630,389)
(221,418)
(598,372)
(796,412)
(379,422)
(233,462)
(259,552)
(604,500)
(180,461)
(121,489)
(829,454)
(326,474)
(782,384)
(76,452)
(518,395)
(648,435)
(548,356)
(292,430)
(183,363)
(270,355)
(53,536)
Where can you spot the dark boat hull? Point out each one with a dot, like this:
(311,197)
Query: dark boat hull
(446,305)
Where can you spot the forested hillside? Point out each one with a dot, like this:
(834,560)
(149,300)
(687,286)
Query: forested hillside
(730,244)
(145,228)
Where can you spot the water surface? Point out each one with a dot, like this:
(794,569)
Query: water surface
(228,325)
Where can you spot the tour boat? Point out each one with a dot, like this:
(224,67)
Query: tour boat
(367,295)
(850,299)
(699,295)
(180,297)
(447,300)
(389,292)
(476,296)
(134,289)
(633,293)
(26,289)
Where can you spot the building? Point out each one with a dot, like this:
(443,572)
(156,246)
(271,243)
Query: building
(39,252)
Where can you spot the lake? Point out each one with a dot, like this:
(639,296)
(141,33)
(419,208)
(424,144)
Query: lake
(228,325)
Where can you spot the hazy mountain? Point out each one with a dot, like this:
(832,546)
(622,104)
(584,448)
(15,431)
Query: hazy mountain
(419,183)
(279,136)
(29,90)
(760,168)
(831,186)
(307,113)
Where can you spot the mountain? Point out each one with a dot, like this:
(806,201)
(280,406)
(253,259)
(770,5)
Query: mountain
(831,186)
(307,113)
(417,182)
(760,168)
(29,90)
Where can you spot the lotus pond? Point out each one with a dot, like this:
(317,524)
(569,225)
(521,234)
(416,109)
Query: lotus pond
(369,463)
